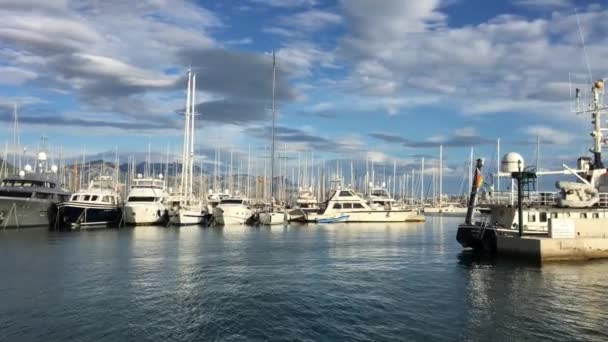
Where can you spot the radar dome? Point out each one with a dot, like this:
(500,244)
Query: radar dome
(139,175)
(21,173)
(54,168)
(512,162)
(28,168)
(41,156)
(160,176)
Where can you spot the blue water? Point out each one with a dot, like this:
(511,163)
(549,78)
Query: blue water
(357,282)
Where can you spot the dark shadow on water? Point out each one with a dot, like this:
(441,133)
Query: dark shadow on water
(469,258)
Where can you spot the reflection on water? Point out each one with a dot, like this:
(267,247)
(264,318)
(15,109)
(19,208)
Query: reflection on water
(354,282)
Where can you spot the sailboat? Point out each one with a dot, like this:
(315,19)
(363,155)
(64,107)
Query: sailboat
(272,216)
(184,207)
(441,207)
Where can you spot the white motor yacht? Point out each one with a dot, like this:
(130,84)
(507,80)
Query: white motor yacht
(232,211)
(147,201)
(346,206)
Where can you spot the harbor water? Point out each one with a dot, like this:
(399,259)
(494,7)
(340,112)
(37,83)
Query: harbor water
(340,282)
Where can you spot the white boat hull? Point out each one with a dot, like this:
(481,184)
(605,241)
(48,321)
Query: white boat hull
(370,216)
(186,217)
(144,214)
(231,215)
(272,218)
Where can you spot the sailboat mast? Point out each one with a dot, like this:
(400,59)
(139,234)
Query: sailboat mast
(184,178)
(191,154)
(273,123)
(440,175)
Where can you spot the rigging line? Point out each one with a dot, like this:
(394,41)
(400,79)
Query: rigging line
(580,31)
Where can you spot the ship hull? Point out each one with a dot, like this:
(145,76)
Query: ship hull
(26,212)
(477,237)
(370,216)
(145,214)
(87,216)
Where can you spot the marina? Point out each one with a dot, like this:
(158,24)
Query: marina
(303,170)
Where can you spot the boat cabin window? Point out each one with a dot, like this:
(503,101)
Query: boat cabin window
(86,197)
(596,215)
(347,205)
(543,217)
(553,215)
(74,197)
(531,217)
(345,194)
(583,215)
(141,199)
(379,193)
(231,201)
(106,199)
(19,194)
(337,206)
(94,198)
(358,206)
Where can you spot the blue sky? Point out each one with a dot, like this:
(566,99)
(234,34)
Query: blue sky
(388,80)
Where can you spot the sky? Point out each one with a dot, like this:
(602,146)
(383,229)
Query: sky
(386,80)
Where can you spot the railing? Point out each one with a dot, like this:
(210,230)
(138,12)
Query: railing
(534,199)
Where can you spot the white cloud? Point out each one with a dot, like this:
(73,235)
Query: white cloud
(550,135)
(545,4)
(311,20)
(15,76)
(505,64)
(286,3)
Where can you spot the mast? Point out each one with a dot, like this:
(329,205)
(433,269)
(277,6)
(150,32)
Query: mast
(183,188)
(597,125)
(422,182)
(273,122)
(498,164)
(440,176)
(191,154)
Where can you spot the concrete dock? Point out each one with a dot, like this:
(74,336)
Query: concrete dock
(566,240)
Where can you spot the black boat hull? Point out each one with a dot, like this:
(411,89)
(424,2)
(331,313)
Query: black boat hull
(77,216)
(477,236)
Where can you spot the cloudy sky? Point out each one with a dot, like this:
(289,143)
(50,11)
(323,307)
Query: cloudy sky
(390,79)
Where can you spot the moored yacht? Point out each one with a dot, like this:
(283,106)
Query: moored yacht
(379,198)
(232,210)
(99,205)
(29,199)
(147,201)
(346,206)
(306,203)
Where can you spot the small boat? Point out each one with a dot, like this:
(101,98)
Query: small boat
(99,205)
(340,218)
